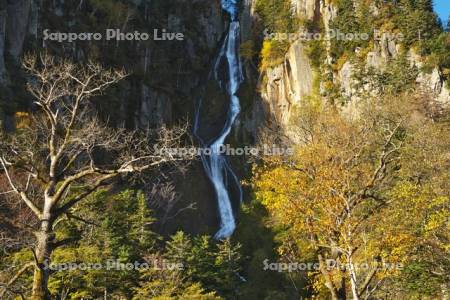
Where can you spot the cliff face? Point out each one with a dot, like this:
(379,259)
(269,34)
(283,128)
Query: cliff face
(164,74)
(168,77)
(287,85)
(385,50)
(166,80)
(17,22)
(3,16)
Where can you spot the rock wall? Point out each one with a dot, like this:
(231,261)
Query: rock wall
(14,21)
(283,87)
(308,9)
(18,19)
(288,84)
(166,77)
(164,74)
(3,20)
(386,49)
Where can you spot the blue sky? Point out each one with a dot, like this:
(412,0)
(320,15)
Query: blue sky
(442,8)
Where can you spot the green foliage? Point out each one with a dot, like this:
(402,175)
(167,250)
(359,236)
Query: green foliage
(120,233)
(416,20)
(116,230)
(420,281)
(110,231)
(398,76)
(350,21)
(437,53)
(170,285)
(316,52)
(272,53)
(215,265)
(276,15)
(228,263)
(259,243)
(277,18)
(247,50)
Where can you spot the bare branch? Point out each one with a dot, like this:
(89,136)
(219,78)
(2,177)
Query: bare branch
(15,278)
(18,191)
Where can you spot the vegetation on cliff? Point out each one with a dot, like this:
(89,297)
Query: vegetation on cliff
(89,209)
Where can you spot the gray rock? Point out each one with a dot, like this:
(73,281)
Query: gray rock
(155,109)
(17,26)
(3,16)
(374,60)
(306,8)
(288,84)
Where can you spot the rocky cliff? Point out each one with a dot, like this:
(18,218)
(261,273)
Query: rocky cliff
(167,78)
(286,85)
(164,74)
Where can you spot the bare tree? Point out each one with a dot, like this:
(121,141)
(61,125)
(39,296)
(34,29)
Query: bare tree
(66,153)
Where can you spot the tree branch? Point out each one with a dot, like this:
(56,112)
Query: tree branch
(15,278)
(18,191)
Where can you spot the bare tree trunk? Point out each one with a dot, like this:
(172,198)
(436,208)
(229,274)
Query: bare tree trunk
(353,282)
(335,294)
(45,237)
(41,274)
(352,271)
(70,131)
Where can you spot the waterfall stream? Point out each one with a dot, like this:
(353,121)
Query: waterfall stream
(215,163)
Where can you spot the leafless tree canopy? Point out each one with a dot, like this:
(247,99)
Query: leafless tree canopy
(66,153)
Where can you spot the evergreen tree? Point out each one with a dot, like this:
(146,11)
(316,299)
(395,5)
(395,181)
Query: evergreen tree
(179,248)
(119,235)
(228,262)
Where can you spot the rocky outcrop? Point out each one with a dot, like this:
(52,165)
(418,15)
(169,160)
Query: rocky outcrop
(17,26)
(434,83)
(164,71)
(385,47)
(155,109)
(286,85)
(247,19)
(308,9)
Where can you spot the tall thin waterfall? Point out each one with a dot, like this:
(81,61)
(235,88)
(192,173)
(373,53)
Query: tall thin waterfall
(215,163)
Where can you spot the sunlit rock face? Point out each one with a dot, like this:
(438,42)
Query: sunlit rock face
(288,84)
(306,8)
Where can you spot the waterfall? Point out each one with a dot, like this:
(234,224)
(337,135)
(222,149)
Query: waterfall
(215,163)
